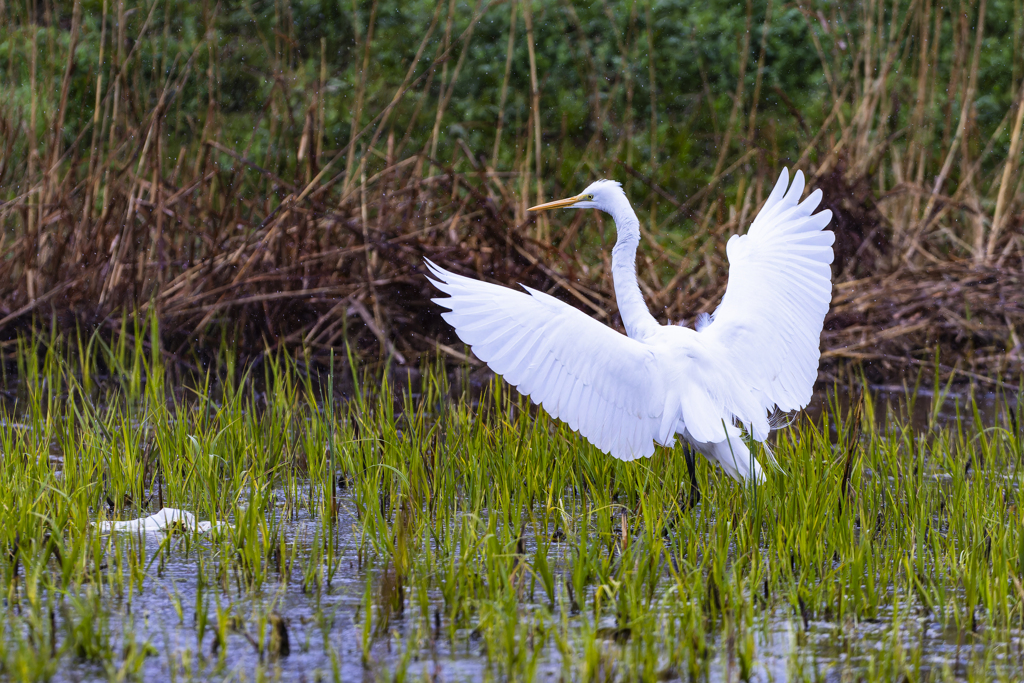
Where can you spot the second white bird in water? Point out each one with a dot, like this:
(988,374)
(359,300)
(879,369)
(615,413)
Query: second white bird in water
(758,352)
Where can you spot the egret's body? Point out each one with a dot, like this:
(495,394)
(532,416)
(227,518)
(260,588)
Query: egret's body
(758,352)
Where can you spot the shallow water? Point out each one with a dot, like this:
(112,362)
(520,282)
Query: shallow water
(327,624)
(325,631)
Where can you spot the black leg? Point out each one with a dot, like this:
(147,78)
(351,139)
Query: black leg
(692,467)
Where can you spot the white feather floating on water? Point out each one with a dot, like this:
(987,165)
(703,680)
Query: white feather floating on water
(167,520)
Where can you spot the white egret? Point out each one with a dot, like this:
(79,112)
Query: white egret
(756,353)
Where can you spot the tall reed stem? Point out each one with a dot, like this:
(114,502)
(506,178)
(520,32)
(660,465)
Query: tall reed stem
(542,223)
(504,83)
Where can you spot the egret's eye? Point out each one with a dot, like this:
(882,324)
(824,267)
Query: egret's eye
(590,197)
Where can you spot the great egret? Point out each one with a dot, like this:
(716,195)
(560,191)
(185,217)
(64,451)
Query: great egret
(757,353)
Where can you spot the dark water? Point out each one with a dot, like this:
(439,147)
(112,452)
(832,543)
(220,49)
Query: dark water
(927,408)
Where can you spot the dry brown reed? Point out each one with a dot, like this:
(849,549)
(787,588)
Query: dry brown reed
(928,216)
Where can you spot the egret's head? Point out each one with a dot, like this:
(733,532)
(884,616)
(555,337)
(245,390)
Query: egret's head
(600,194)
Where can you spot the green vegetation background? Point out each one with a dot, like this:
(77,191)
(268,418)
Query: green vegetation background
(266,56)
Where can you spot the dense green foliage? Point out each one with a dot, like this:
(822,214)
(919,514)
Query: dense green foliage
(595,65)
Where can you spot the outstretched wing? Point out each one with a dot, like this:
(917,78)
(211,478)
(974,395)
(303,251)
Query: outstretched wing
(769,322)
(598,381)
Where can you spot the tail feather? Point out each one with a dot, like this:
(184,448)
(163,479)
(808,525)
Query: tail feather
(732,454)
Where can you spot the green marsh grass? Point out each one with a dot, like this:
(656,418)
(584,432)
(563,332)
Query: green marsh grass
(401,528)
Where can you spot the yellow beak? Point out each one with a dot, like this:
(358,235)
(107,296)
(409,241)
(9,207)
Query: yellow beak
(556,204)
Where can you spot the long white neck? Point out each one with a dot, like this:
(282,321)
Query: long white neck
(635,317)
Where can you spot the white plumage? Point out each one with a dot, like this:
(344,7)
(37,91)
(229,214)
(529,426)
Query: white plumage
(624,393)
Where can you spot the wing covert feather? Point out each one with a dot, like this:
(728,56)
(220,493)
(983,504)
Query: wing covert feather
(600,382)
